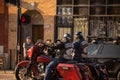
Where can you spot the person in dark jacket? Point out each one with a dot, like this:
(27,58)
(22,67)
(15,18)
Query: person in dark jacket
(36,50)
(78,46)
(66,50)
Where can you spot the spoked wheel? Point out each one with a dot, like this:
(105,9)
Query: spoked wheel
(118,75)
(20,73)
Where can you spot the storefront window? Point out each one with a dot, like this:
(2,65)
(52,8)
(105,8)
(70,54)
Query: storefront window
(92,17)
(81,24)
(64,15)
(62,31)
(65,20)
(64,10)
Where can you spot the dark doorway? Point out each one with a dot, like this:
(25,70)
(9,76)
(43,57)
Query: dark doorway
(37,32)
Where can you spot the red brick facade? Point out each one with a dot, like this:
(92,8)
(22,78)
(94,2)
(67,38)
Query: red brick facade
(4,25)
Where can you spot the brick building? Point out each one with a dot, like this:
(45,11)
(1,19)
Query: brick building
(42,13)
(50,19)
(4,25)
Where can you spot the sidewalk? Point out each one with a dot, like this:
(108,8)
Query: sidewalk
(9,75)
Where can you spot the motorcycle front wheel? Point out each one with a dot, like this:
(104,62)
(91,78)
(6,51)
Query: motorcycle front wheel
(20,73)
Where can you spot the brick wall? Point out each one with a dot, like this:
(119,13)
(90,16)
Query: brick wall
(47,9)
(49,27)
(4,25)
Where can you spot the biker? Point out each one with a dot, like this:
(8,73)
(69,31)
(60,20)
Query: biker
(36,51)
(65,48)
(79,46)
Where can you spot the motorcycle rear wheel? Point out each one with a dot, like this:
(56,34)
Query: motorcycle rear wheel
(20,72)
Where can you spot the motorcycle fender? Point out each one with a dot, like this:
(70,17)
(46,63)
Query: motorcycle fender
(23,63)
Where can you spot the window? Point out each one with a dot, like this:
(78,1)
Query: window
(62,31)
(64,2)
(64,20)
(97,10)
(97,2)
(81,24)
(113,1)
(115,10)
(104,27)
(76,2)
(64,10)
(93,17)
(80,10)
(64,15)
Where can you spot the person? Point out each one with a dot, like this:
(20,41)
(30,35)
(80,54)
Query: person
(47,51)
(27,45)
(79,46)
(38,49)
(64,46)
(48,41)
(35,51)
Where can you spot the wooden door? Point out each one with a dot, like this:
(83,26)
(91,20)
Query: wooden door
(37,32)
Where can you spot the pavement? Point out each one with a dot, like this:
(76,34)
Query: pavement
(9,75)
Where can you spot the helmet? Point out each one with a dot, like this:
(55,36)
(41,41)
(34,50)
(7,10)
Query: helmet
(67,36)
(79,34)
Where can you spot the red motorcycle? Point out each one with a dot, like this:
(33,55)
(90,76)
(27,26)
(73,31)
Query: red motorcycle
(64,71)
(35,70)
(69,70)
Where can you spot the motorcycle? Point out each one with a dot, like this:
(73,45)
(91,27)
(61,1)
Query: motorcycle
(83,71)
(37,69)
(70,70)
(64,71)
(98,70)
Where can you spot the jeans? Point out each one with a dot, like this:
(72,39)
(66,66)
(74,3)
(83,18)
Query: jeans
(49,67)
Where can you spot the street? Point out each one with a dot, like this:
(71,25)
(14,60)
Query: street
(9,75)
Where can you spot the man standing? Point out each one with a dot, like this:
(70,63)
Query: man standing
(27,45)
(66,51)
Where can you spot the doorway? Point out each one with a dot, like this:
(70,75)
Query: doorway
(37,32)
